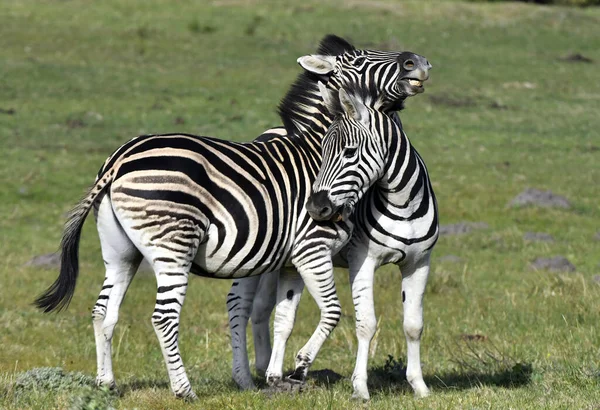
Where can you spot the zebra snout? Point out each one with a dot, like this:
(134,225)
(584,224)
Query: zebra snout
(319,206)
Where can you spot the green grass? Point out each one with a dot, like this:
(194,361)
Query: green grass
(83,77)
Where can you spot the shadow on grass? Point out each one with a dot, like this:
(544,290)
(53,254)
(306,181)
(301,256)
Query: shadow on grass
(392,377)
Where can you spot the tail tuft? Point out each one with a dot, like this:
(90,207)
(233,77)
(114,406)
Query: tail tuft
(59,294)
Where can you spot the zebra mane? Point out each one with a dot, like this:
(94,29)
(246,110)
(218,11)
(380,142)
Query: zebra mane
(303,90)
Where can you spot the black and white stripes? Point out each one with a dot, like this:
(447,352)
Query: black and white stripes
(219,209)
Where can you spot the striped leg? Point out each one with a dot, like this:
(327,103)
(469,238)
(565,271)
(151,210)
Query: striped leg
(318,278)
(172,281)
(263,305)
(121,259)
(289,291)
(361,279)
(239,306)
(414,279)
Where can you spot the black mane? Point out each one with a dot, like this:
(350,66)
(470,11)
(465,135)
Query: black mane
(332,45)
(305,85)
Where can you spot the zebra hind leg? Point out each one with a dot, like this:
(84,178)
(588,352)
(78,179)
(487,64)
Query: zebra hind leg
(289,291)
(239,307)
(121,260)
(172,280)
(262,307)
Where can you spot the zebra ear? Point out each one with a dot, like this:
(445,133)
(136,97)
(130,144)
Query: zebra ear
(328,98)
(354,107)
(318,64)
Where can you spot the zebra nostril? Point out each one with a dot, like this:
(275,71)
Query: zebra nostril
(325,211)
(409,65)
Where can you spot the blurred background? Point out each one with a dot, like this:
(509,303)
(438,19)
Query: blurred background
(508,127)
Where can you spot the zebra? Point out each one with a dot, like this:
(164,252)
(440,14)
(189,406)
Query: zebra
(396,222)
(217,209)
(403,72)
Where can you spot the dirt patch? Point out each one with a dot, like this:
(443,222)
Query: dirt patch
(596,279)
(285,386)
(7,111)
(462,228)
(538,237)
(536,197)
(474,338)
(576,58)
(554,264)
(75,123)
(49,261)
(597,236)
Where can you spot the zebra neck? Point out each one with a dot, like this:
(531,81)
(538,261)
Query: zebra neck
(402,170)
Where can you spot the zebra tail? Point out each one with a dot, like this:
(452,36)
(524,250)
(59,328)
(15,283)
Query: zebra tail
(59,294)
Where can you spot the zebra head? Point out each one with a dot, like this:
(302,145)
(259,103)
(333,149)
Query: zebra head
(354,154)
(394,76)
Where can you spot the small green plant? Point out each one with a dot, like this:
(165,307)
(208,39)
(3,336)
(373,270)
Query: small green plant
(49,379)
(34,385)
(91,398)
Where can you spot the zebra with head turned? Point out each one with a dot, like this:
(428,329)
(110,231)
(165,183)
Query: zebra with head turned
(214,208)
(400,75)
(396,222)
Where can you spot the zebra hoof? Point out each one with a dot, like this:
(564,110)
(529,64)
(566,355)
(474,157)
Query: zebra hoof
(273,380)
(106,384)
(189,397)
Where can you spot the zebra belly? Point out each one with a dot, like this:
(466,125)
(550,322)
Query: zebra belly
(218,259)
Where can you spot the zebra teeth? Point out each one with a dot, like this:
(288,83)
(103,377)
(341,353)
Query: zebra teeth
(416,83)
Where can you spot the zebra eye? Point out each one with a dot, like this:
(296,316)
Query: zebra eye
(359,61)
(350,152)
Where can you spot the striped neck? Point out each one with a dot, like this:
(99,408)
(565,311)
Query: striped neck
(402,162)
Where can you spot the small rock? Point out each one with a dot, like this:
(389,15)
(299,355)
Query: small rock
(7,111)
(596,279)
(555,264)
(450,258)
(518,84)
(536,197)
(597,236)
(51,260)
(577,58)
(462,228)
(538,237)
(94,116)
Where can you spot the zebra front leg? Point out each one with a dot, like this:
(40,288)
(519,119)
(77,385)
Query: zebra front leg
(121,260)
(414,280)
(361,272)
(289,291)
(172,281)
(318,278)
(239,307)
(262,307)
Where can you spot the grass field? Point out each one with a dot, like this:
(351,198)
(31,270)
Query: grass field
(503,111)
